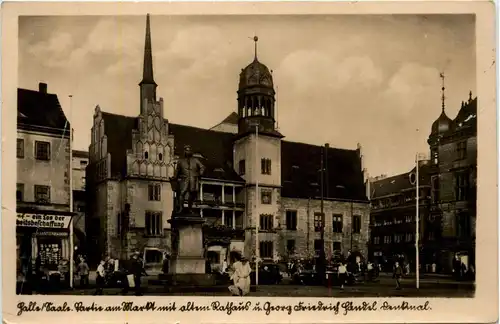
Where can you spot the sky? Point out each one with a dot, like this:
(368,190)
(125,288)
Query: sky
(339,79)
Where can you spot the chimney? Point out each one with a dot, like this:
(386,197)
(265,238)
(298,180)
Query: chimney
(42,87)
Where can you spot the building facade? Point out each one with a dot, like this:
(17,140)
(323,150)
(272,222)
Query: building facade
(394,219)
(453,147)
(448,199)
(43,180)
(80,161)
(253,177)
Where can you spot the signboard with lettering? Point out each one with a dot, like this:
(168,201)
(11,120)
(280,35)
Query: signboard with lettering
(43,221)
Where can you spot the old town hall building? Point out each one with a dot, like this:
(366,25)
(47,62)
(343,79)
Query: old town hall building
(248,165)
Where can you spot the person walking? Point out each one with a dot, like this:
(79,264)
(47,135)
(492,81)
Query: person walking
(241,278)
(83,272)
(398,273)
(138,271)
(100,278)
(342,273)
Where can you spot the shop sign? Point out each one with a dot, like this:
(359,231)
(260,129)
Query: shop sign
(43,220)
(52,233)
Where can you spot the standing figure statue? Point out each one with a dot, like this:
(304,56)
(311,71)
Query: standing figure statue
(187,179)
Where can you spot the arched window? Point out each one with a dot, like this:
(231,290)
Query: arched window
(160,156)
(146,155)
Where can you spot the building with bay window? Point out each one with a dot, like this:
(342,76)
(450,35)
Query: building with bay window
(253,177)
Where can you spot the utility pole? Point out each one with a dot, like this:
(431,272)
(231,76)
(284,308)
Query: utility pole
(417,227)
(257,196)
(322,184)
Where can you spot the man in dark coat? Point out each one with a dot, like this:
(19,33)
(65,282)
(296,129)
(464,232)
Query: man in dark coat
(187,177)
(137,269)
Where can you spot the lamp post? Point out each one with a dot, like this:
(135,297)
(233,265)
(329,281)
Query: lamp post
(257,248)
(417,220)
(71,230)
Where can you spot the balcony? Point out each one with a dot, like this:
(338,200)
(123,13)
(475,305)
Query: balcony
(221,196)
(214,234)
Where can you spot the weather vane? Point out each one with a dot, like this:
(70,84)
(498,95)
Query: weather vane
(441,75)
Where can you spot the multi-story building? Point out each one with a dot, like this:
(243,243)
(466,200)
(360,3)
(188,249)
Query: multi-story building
(252,175)
(453,147)
(43,184)
(79,164)
(393,216)
(447,199)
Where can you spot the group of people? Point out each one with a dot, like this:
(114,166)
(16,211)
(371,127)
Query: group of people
(127,275)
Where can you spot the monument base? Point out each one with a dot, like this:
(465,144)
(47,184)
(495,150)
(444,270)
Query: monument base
(188,279)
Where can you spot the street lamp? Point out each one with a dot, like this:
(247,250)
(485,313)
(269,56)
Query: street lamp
(419,157)
(257,248)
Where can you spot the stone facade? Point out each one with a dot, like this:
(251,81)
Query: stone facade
(305,233)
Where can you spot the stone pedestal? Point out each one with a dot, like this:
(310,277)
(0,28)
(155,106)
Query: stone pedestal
(187,265)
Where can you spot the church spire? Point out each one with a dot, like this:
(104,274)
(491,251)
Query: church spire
(255,39)
(148,84)
(147,75)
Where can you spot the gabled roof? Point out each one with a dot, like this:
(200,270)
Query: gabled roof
(231,119)
(467,115)
(398,183)
(300,162)
(215,147)
(42,111)
(300,176)
(118,130)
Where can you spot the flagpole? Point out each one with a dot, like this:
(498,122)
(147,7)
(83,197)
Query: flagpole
(71,240)
(257,248)
(417,225)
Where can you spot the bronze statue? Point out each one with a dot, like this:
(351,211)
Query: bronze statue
(187,179)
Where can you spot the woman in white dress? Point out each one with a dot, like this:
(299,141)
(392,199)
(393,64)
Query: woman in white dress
(241,278)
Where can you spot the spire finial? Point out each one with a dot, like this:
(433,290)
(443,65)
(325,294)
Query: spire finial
(441,75)
(255,39)
(470,96)
(147,75)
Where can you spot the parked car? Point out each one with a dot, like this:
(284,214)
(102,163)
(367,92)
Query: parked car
(269,274)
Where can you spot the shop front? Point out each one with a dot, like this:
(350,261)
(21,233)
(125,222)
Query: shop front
(43,242)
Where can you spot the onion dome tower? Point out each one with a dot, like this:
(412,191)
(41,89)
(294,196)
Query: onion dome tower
(440,126)
(256,98)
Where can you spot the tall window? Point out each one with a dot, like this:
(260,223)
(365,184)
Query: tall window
(462,150)
(266,222)
(318,222)
(409,237)
(376,240)
(154,192)
(337,223)
(266,196)
(20,148)
(153,222)
(398,238)
(228,221)
(387,239)
(265,166)
(241,167)
(337,246)
(356,224)
(20,192)
(42,194)
(318,245)
(435,189)
(435,156)
(290,246)
(266,249)
(461,186)
(464,225)
(291,220)
(42,150)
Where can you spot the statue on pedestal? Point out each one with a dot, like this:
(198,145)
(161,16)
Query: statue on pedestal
(186,180)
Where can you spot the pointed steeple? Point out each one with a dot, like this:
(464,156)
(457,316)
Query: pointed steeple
(442,91)
(147,74)
(148,84)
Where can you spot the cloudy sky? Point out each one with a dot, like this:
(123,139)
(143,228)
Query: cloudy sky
(339,79)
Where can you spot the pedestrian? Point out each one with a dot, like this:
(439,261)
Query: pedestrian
(100,277)
(398,273)
(369,268)
(83,272)
(166,264)
(138,271)
(241,278)
(342,273)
